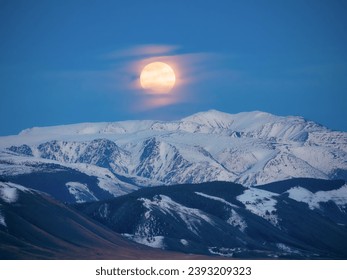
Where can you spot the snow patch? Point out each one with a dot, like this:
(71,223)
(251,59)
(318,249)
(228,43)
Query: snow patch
(151,241)
(237,221)
(8,193)
(80,192)
(261,203)
(217,199)
(225,252)
(2,220)
(104,211)
(339,197)
(287,249)
(184,242)
(115,189)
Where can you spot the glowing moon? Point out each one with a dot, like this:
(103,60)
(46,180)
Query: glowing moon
(157,77)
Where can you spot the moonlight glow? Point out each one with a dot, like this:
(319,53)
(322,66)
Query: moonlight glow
(157,77)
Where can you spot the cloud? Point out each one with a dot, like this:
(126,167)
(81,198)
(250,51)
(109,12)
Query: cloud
(119,73)
(141,51)
(189,68)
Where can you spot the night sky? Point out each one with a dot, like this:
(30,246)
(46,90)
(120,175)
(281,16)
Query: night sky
(65,62)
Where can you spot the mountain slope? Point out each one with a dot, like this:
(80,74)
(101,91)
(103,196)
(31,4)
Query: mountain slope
(34,226)
(303,219)
(251,148)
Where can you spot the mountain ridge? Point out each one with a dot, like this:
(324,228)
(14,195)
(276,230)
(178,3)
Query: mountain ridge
(130,125)
(250,148)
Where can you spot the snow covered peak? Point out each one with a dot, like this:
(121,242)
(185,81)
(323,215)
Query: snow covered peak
(217,117)
(211,119)
(256,123)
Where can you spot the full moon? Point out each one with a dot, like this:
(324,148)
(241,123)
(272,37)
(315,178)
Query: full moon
(157,77)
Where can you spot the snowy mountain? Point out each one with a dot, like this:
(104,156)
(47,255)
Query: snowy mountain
(93,161)
(292,219)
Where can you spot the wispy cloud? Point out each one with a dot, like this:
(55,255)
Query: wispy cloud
(141,51)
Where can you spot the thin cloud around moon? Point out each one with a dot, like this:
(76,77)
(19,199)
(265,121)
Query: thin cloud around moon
(141,51)
(129,62)
(120,76)
(134,59)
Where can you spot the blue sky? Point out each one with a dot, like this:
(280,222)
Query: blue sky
(66,62)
